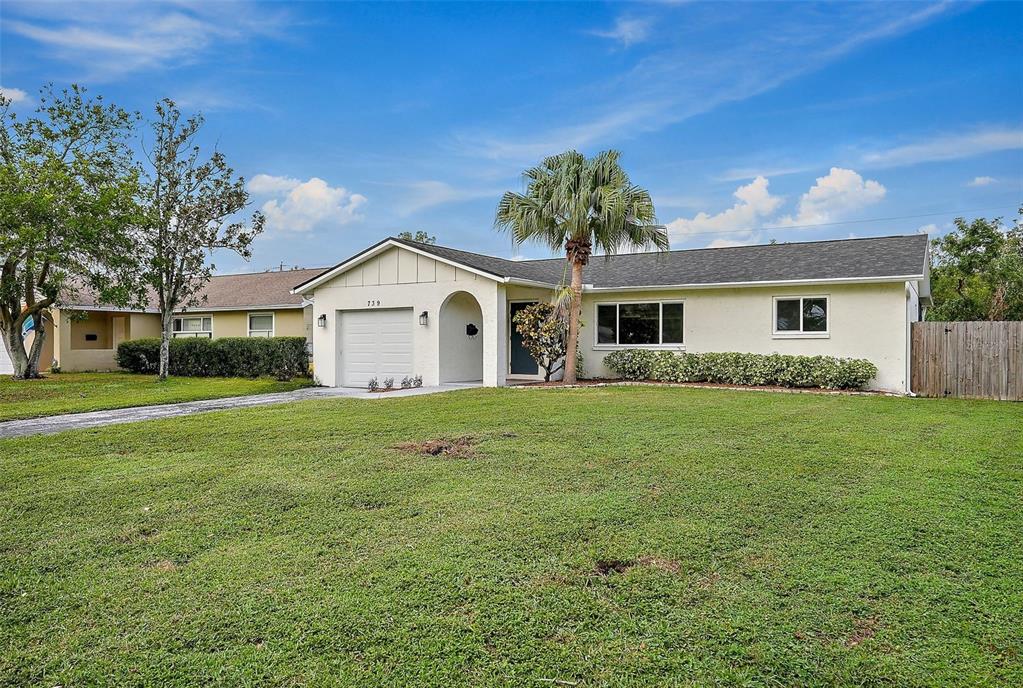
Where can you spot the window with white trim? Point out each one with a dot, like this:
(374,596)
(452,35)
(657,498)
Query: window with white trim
(650,323)
(261,324)
(799,315)
(192,326)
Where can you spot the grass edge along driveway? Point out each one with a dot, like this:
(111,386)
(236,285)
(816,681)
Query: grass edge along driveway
(59,393)
(611,536)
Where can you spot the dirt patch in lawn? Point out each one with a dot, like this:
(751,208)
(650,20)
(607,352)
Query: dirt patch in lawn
(458,448)
(863,629)
(606,567)
(165,565)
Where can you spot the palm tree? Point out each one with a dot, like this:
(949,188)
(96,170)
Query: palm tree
(577,205)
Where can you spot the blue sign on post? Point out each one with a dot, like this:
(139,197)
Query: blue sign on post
(27,326)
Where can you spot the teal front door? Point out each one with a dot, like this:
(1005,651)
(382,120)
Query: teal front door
(521,362)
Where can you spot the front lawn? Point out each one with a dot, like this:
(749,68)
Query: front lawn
(75,392)
(590,537)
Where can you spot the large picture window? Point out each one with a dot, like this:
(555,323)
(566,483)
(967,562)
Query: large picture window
(192,326)
(652,323)
(798,315)
(261,324)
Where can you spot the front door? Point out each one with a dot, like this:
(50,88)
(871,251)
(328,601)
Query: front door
(521,362)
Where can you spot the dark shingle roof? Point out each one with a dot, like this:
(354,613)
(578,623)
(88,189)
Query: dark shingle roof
(242,291)
(880,257)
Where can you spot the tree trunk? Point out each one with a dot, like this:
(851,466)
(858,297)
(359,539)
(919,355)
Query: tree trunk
(573,323)
(165,334)
(26,364)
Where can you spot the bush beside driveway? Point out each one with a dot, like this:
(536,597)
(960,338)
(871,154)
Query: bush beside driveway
(602,536)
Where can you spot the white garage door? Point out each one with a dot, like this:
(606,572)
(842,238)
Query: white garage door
(375,344)
(6,367)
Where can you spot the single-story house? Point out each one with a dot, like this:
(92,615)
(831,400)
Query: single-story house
(259,304)
(404,308)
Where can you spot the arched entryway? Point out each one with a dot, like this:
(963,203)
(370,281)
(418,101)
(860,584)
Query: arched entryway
(461,339)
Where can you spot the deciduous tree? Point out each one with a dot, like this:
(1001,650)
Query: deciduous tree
(67,213)
(189,202)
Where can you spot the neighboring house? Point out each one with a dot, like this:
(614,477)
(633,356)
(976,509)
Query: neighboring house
(405,308)
(257,304)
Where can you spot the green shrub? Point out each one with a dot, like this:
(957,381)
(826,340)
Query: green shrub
(631,364)
(736,368)
(280,357)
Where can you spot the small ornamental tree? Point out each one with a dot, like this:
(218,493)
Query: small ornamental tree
(543,334)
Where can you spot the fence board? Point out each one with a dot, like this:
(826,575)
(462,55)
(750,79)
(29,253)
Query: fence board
(981,360)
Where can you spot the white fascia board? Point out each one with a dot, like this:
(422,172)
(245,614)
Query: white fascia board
(103,309)
(242,309)
(765,283)
(380,248)
(529,283)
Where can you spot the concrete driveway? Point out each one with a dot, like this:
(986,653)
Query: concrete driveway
(75,421)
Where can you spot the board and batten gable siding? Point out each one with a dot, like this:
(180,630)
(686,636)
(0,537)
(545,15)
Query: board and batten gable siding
(401,279)
(398,266)
(864,321)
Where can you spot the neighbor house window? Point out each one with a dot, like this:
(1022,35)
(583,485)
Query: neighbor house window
(639,324)
(193,326)
(261,324)
(801,315)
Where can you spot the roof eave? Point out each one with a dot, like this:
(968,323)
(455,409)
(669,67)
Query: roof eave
(760,283)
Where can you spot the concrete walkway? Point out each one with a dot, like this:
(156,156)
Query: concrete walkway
(75,421)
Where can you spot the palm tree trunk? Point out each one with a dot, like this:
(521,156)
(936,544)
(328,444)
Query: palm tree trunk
(573,323)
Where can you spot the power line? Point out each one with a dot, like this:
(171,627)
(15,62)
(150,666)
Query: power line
(851,222)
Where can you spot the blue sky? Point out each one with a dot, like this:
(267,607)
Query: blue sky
(747,122)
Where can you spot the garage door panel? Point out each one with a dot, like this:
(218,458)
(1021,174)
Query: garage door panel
(375,343)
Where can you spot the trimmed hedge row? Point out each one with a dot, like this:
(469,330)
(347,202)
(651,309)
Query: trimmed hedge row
(734,368)
(280,357)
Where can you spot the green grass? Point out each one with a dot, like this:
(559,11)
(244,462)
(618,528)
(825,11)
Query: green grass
(603,536)
(76,392)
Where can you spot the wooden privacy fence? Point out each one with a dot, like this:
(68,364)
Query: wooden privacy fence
(982,360)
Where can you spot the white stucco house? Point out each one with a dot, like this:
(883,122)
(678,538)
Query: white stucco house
(403,308)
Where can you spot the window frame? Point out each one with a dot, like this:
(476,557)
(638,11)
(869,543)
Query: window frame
(675,346)
(273,323)
(192,334)
(800,333)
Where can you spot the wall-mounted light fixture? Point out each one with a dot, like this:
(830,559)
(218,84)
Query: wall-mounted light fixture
(424,318)
(322,321)
(471,330)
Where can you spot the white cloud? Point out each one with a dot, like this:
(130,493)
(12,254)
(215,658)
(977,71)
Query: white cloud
(627,31)
(927,229)
(752,238)
(112,40)
(304,206)
(15,95)
(981,181)
(948,147)
(832,196)
(755,203)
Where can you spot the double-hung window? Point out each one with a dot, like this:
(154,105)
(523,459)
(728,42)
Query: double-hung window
(261,324)
(801,315)
(192,326)
(653,323)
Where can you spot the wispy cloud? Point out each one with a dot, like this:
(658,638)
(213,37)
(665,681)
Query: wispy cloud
(105,42)
(981,181)
(627,31)
(429,193)
(948,147)
(690,78)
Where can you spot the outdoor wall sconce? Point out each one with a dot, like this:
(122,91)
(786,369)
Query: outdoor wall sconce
(322,321)
(424,318)
(471,330)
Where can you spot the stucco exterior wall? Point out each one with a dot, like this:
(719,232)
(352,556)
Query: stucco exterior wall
(398,278)
(864,321)
(287,322)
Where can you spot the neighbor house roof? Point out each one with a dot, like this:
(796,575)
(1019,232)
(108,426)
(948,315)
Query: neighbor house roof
(245,291)
(873,259)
